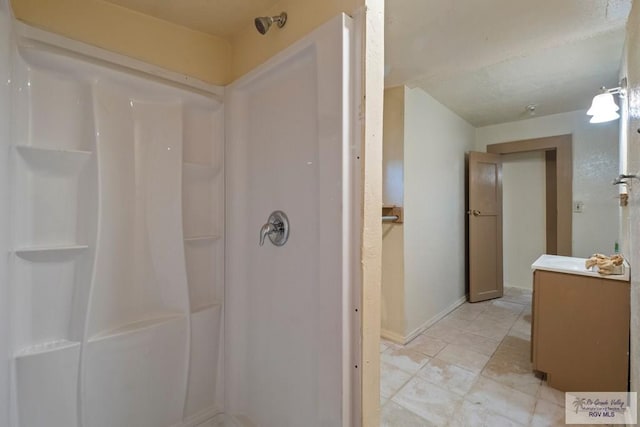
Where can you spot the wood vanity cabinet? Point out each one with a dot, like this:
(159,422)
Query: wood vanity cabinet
(580,331)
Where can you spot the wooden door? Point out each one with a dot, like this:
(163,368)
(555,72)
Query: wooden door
(485,226)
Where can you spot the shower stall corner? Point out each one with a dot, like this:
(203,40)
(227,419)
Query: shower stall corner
(136,291)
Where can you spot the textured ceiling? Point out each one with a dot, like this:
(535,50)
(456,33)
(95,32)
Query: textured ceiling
(217,17)
(486,60)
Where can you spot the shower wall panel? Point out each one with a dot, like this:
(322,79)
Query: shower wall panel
(5,243)
(287,313)
(117,259)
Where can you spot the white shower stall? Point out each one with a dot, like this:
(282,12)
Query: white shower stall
(134,292)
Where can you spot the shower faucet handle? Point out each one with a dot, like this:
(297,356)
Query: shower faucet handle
(277,228)
(266,230)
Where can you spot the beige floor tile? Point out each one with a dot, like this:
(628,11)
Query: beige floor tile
(520,299)
(455,322)
(463,357)
(403,358)
(490,328)
(519,334)
(427,345)
(472,415)
(480,351)
(467,311)
(507,320)
(388,344)
(475,342)
(394,415)
(526,315)
(508,306)
(448,376)
(512,291)
(502,400)
(443,332)
(511,365)
(485,303)
(550,394)
(523,324)
(547,415)
(516,345)
(431,402)
(500,315)
(391,379)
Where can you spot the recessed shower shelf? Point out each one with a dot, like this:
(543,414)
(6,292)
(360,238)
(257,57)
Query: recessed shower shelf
(64,160)
(203,307)
(27,149)
(137,326)
(46,347)
(41,250)
(210,237)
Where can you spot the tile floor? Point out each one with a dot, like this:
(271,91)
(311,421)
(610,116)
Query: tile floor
(470,369)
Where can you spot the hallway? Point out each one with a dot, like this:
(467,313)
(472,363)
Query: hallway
(472,368)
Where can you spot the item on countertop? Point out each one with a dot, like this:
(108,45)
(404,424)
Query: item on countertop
(606,265)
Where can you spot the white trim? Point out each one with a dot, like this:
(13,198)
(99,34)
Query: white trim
(399,339)
(30,37)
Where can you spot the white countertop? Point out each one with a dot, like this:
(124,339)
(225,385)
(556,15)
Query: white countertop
(571,265)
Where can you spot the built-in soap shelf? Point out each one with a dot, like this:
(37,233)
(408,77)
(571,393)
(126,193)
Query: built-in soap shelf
(203,238)
(137,326)
(24,252)
(40,158)
(29,150)
(46,347)
(206,306)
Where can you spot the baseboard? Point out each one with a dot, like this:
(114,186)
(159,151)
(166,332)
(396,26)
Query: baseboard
(400,339)
(391,336)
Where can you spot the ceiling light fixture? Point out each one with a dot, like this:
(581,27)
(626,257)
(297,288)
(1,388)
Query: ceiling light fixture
(603,107)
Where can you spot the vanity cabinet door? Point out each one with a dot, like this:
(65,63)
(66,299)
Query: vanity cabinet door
(581,331)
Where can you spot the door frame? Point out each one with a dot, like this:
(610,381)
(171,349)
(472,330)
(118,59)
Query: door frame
(558,183)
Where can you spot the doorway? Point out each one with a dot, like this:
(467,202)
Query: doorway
(558,186)
(523,215)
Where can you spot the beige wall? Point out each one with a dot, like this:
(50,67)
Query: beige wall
(595,164)
(393,322)
(523,215)
(209,58)
(631,213)
(436,140)
(133,34)
(393,147)
(251,49)
(424,259)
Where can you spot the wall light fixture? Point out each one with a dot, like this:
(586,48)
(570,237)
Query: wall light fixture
(604,108)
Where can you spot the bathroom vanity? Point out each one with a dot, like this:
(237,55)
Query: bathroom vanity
(580,325)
